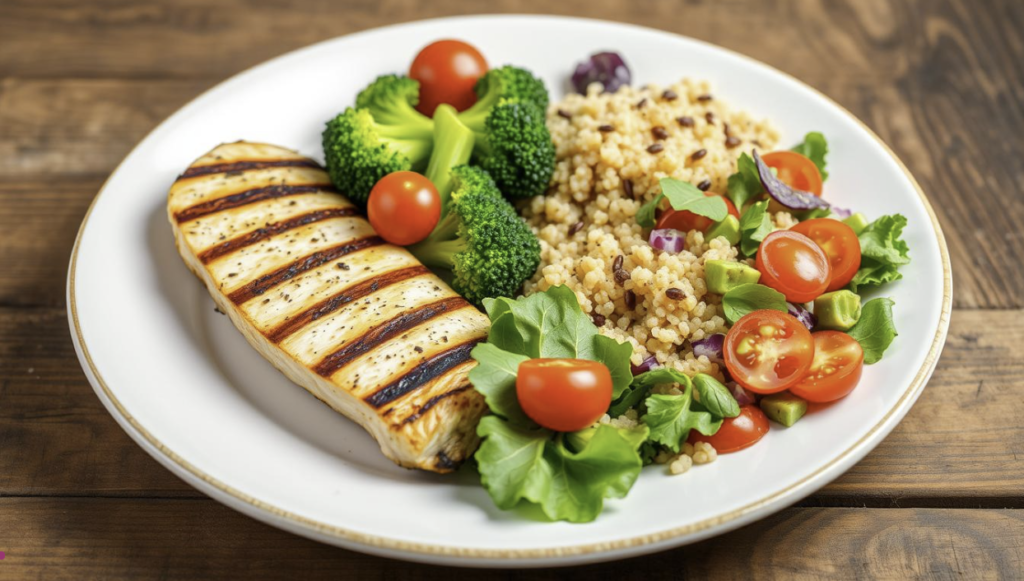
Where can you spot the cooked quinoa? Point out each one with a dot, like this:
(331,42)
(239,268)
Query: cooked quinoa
(606,168)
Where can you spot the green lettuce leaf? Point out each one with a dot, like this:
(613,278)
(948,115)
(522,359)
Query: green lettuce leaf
(495,378)
(815,148)
(682,196)
(671,417)
(883,252)
(715,397)
(747,298)
(875,330)
(755,224)
(537,466)
(745,184)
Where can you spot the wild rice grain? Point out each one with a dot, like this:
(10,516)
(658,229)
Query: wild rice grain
(606,128)
(621,276)
(617,263)
(669,95)
(598,319)
(630,298)
(685,121)
(704,98)
(704,185)
(564,113)
(627,186)
(575,228)
(732,141)
(655,148)
(641,104)
(675,294)
(710,117)
(699,154)
(659,132)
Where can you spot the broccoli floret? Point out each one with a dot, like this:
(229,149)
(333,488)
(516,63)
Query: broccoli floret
(383,134)
(485,247)
(512,140)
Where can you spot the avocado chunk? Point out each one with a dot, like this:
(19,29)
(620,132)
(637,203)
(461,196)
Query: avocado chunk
(858,222)
(838,310)
(724,275)
(729,227)
(784,407)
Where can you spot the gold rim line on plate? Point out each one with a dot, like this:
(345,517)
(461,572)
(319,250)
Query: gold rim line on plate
(378,542)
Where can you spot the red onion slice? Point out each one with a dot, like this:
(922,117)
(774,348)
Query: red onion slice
(782,193)
(743,397)
(668,240)
(606,68)
(803,315)
(648,364)
(841,213)
(710,346)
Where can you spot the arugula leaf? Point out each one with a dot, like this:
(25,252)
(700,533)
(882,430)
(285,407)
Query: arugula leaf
(755,224)
(671,417)
(552,324)
(875,330)
(534,465)
(715,397)
(883,252)
(747,298)
(745,184)
(682,196)
(815,148)
(495,378)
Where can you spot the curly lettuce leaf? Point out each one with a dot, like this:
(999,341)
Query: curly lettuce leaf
(875,329)
(537,466)
(744,185)
(883,252)
(755,224)
(715,397)
(671,417)
(815,148)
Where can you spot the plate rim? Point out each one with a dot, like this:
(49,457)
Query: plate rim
(567,555)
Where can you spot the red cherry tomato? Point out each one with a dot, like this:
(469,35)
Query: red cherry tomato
(564,395)
(404,207)
(737,433)
(840,244)
(796,170)
(836,369)
(768,351)
(447,71)
(794,265)
(685,221)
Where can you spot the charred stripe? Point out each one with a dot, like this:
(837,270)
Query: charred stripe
(245,198)
(240,166)
(306,263)
(431,369)
(347,295)
(432,402)
(255,236)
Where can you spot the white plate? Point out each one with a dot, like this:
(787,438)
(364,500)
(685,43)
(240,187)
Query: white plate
(186,386)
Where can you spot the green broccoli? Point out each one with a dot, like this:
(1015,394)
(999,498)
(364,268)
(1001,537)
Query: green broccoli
(481,245)
(512,140)
(383,134)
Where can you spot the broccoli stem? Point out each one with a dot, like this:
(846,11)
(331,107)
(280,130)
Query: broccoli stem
(453,144)
(439,249)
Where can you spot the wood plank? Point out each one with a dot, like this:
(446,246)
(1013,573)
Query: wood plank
(961,445)
(81,129)
(200,539)
(193,38)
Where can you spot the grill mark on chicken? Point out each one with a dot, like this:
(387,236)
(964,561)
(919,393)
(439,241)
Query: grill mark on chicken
(306,263)
(386,331)
(342,298)
(243,165)
(245,198)
(431,369)
(431,403)
(272,230)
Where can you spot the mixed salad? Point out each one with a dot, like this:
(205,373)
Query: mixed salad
(439,156)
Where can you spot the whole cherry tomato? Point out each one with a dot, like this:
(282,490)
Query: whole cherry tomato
(447,71)
(564,395)
(404,207)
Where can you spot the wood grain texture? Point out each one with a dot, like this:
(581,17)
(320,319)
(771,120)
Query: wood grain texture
(961,445)
(78,539)
(941,81)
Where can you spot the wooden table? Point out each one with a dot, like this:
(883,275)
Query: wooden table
(941,81)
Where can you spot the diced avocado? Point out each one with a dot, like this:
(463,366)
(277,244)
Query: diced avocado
(723,275)
(729,227)
(858,222)
(838,310)
(784,407)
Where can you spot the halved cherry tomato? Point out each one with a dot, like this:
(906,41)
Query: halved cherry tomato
(796,170)
(447,71)
(768,351)
(564,395)
(794,265)
(840,244)
(838,364)
(685,220)
(737,433)
(404,207)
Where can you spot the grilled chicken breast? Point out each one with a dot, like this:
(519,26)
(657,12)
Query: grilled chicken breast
(359,323)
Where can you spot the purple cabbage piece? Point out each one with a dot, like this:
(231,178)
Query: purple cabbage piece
(668,240)
(648,364)
(710,346)
(743,397)
(803,315)
(606,68)
(782,193)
